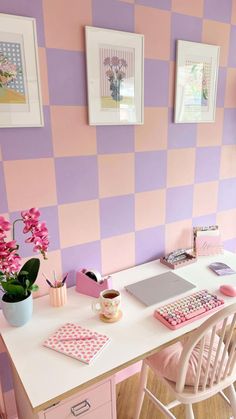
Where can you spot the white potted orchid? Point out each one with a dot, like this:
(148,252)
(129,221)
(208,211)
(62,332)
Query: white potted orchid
(16,282)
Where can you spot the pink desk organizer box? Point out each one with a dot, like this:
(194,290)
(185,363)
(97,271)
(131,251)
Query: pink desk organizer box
(88,286)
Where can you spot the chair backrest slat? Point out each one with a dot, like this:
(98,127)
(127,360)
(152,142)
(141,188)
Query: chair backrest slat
(213,333)
(220,362)
(230,362)
(199,366)
(216,360)
(225,352)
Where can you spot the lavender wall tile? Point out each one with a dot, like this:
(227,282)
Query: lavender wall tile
(3,196)
(158,4)
(181,135)
(230,245)
(27,143)
(50,216)
(27,8)
(229,130)
(207,164)
(179,203)
(117,215)
(112,14)
(218,10)
(66,77)
(150,170)
(77,178)
(185,28)
(156,82)
(232,55)
(227,194)
(115,139)
(220,100)
(149,244)
(204,220)
(5,372)
(75,258)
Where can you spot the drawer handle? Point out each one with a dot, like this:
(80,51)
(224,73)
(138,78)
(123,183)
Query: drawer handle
(80,408)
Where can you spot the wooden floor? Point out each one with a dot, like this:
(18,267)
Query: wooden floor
(213,408)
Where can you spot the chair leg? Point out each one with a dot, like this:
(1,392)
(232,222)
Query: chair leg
(189,411)
(232,398)
(142,385)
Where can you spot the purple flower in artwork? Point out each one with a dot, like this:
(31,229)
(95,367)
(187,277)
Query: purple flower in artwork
(115,60)
(115,72)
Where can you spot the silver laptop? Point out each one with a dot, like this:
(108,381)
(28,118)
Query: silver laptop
(159,288)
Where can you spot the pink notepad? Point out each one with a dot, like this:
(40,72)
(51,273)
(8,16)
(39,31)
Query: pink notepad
(78,342)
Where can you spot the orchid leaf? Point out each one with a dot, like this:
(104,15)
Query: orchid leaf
(32,269)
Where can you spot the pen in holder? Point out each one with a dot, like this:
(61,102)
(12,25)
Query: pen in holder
(57,291)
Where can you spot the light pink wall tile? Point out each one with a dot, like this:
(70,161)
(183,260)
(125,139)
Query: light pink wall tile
(10,403)
(64,23)
(30,183)
(116,174)
(228,161)
(53,262)
(155,25)
(178,235)
(43,75)
(233,16)
(72,136)
(205,198)
(186,7)
(150,209)
(227,224)
(230,92)
(153,134)
(180,167)
(118,253)
(217,33)
(210,134)
(79,223)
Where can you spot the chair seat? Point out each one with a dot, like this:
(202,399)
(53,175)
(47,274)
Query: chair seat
(165,363)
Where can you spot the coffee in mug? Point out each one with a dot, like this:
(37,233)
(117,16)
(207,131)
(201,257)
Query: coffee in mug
(108,304)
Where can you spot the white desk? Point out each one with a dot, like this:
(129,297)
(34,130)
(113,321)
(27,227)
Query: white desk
(48,376)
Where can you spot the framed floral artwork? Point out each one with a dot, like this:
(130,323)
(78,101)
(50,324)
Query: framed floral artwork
(115,68)
(196,82)
(20,96)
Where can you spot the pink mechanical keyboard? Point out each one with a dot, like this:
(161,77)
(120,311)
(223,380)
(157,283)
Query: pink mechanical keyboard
(188,309)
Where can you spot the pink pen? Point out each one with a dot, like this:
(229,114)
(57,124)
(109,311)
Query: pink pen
(78,338)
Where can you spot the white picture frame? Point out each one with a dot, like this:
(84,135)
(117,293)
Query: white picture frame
(196,82)
(20,93)
(115,71)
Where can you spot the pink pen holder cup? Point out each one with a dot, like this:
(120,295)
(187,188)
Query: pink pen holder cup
(87,286)
(58,296)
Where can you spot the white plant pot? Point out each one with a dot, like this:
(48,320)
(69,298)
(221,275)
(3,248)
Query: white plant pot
(18,313)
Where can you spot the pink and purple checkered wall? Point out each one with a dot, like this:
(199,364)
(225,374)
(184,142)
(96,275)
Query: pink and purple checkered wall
(118,196)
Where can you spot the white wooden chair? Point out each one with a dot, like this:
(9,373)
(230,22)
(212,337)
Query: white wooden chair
(216,375)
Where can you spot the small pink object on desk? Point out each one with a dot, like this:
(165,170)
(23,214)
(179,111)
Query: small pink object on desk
(228,290)
(88,286)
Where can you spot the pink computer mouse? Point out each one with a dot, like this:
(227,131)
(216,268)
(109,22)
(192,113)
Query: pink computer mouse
(229,290)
